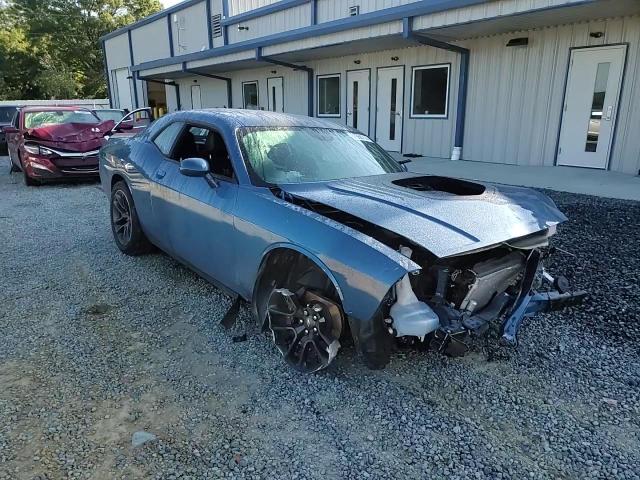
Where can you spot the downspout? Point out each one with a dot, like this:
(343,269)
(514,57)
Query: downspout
(106,74)
(463,78)
(135,86)
(215,77)
(161,82)
(309,70)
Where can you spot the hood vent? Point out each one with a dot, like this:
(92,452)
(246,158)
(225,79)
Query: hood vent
(431,183)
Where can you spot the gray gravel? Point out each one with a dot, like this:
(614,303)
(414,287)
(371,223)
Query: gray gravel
(96,346)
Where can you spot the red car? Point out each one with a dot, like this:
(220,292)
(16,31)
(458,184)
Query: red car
(49,143)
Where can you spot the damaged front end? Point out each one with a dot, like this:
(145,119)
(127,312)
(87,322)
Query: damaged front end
(480,249)
(464,295)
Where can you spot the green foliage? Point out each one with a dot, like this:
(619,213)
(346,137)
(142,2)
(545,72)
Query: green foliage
(51,49)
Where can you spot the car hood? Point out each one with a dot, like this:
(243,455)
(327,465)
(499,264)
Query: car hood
(71,136)
(444,215)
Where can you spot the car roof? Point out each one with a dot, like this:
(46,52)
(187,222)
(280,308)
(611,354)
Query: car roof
(234,118)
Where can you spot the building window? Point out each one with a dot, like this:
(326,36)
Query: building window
(430,91)
(250,95)
(329,95)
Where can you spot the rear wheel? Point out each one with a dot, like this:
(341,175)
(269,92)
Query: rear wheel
(124,222)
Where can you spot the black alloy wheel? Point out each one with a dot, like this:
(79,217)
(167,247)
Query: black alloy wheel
(125,225)
(121,217)
(306,328)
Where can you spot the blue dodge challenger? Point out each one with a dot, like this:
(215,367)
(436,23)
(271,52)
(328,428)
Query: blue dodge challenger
(330,239)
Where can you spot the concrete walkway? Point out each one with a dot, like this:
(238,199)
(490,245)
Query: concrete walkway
(565,179)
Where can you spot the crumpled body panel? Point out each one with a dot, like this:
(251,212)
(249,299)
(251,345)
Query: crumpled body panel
(75,137)
(444,223)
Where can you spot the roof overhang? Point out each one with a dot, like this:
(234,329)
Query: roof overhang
(303,45)
(580,11)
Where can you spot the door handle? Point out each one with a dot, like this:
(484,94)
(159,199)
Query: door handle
(160,174)
(609,113)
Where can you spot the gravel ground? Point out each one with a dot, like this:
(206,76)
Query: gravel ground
(99,350)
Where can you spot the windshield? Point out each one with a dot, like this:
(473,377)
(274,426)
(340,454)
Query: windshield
(6,114)
(104,115)
(298,155)
(56,117)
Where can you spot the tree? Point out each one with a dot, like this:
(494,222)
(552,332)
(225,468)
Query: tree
(52,50)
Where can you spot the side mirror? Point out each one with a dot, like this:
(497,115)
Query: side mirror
(194,167)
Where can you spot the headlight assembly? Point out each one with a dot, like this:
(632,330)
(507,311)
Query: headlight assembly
(36,149)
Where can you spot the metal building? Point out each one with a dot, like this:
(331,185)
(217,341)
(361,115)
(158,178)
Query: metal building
(527,82)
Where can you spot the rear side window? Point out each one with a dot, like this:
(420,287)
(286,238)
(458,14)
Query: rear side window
(167,138)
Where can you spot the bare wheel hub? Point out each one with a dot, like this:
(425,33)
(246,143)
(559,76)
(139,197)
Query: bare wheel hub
(306,328)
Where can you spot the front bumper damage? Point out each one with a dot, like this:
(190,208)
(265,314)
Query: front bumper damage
(537,292)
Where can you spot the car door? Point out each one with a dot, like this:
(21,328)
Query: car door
(13,139)
(202,231)
(163,172)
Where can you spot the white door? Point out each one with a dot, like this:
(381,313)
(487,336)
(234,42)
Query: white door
(358,100)
(122,86)
(276,94)
(196,97)
(389,110)
(590,106)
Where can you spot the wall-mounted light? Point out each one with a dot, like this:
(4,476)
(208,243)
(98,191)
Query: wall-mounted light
(596,34)
(395,59)
(357,62)
(273,72)
(242,27)
(195,81)
(518,42)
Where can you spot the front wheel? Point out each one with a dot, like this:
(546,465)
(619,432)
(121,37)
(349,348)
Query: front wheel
(124,222)
(306,328)
(28,181)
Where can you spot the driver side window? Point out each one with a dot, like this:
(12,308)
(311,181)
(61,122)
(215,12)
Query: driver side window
(205,143)
(167,138)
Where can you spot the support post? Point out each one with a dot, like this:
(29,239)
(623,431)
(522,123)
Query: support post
(106,73)
(135,86)
(309,70)
(461,107)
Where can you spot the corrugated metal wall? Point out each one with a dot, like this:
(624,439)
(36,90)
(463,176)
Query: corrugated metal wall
(294,87)
(150,41)
(427,136)
(483,11)
(371,32)
(117,51)
(190,30)
(282,21)
(516,94)
(237,7)
(334,9)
